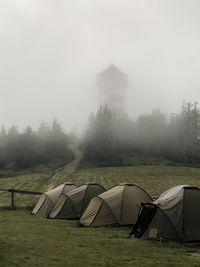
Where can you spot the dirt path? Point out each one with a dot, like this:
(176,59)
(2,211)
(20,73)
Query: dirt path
(62,173)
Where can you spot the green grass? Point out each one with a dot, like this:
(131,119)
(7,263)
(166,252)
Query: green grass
(27,240)
(32,241)
(154,179)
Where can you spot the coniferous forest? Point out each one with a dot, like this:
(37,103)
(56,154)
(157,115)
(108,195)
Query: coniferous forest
(112,140)
(47,146)
(109,140)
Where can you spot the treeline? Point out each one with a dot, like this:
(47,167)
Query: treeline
(45,146)
(113,140)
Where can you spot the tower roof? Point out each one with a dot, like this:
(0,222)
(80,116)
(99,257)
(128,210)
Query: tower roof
(112,71)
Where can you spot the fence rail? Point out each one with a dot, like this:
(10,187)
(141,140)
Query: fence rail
(18,191)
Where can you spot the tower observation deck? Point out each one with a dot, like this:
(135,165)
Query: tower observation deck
(112,83)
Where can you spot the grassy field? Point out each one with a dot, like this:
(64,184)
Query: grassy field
(27,240)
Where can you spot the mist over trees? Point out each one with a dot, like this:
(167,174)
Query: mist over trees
(45,146)
(116,140)
(109,140)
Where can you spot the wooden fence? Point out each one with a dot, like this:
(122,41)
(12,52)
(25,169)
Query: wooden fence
(18,191)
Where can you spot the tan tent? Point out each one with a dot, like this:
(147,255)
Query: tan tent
(175,215)
(117,206)
(71,205)
(48,200)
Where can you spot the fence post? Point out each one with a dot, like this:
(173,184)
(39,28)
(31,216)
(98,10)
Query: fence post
(12,200)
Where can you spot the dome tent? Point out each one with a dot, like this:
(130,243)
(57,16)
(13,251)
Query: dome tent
(71,205)
(48,200)
(117,206)
(174,216)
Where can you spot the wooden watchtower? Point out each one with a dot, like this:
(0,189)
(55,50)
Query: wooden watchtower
(112,83)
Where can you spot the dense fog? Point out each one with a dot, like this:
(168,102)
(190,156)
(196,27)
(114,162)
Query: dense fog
(51,52)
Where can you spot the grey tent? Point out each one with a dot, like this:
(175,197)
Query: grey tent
(48,200)
(118,206)
(71,205)
(175,215)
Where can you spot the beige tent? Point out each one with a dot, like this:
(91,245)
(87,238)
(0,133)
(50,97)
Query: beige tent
(117,206)
(48,200)
(71,205)
(175,215)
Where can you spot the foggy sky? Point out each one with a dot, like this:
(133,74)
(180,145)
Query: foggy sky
(51,52)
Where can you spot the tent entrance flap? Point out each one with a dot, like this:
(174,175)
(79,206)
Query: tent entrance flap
(145,217)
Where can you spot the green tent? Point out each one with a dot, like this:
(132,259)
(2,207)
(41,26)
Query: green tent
(175,215)
(71,205)
(118,206)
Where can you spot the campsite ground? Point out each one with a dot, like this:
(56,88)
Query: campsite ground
(27,240)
